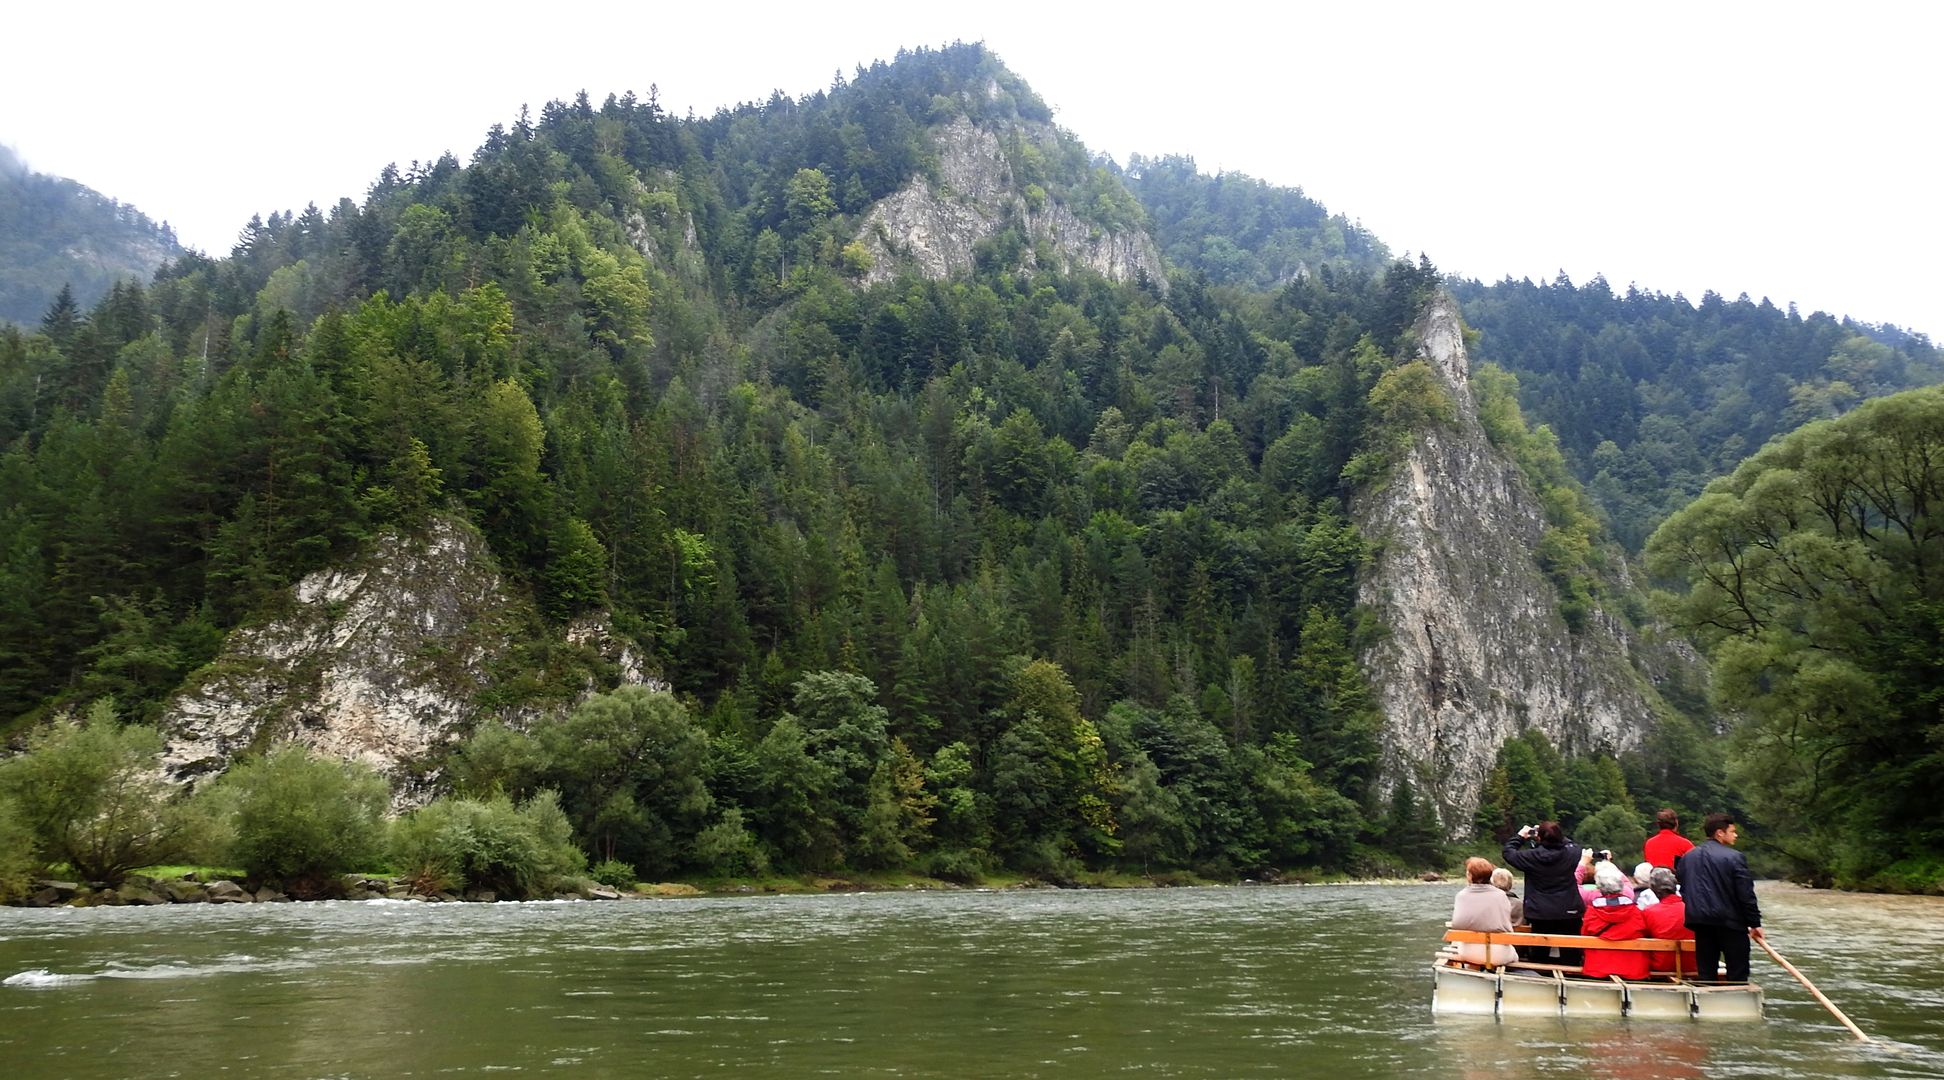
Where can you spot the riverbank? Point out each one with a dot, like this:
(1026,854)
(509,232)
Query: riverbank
(208,885)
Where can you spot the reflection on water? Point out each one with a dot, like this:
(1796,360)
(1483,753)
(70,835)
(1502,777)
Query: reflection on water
(1191,982)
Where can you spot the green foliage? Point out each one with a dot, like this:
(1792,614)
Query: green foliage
(1809,575)
(1617,828)
(17,861)
(1410,827)
(628,767)
(575,577)
(302,820)
(614,873)
(90,794)
(1651,395)
(1919,875)
(516,850)
(1244,231)
(727,847)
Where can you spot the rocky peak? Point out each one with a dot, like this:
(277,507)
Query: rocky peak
(1476,650)
(1441,343)
(936,226)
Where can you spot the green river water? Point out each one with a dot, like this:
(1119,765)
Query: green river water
(1328,981)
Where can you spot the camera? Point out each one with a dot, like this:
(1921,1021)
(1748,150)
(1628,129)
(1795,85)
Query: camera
(1603,855)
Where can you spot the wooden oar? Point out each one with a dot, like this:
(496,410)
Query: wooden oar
(1811,987)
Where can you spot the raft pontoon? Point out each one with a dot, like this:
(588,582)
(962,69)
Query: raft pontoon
(1531,989)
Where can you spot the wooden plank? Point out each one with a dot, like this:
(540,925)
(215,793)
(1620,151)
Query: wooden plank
(1570,941)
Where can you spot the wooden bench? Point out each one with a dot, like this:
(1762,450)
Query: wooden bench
(1571,941)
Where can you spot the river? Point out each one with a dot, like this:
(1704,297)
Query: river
(1248,981)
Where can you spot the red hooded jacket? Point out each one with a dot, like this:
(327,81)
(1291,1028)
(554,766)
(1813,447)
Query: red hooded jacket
(1614,918)
(1668,919)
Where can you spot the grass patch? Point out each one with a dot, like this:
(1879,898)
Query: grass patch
(205,873)
(667,890)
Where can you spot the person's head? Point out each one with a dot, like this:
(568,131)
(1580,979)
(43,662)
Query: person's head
(1550,834)
(1502,878)
(1478,871)
(1643,875)
(1667,818)
(1720,827)
(1663,883)
(1608,879)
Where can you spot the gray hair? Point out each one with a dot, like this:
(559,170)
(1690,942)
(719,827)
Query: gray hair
(1609,878)
(1663,882)
(1502,878)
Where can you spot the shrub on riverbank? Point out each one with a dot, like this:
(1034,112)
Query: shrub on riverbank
(614,873)
(16,854)
(301,820)
(525,850)
(89,794)
(1919,875)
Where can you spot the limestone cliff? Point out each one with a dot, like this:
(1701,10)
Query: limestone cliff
(1476,650)
(384,660)
(935,226)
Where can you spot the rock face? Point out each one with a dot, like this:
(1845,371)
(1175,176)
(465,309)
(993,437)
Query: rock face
(382,661)
(935,227)
(1477,651)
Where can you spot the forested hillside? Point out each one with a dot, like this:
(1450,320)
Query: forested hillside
(57,235)
(1044,535)
(1651,396)
(1238,230)
(1026,568)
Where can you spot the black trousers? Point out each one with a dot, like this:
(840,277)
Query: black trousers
(1543,954)
(1721,944)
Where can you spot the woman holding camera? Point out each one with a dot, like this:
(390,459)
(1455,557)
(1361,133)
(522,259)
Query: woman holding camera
(1552,901)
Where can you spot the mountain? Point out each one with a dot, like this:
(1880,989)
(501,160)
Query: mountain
(1650,395)
(55,233)
(965,529)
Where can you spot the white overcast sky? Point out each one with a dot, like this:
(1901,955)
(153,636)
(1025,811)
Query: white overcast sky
(1783,150)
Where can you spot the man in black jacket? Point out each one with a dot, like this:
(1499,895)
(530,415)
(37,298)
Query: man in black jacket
(1552,902)
(1720,896)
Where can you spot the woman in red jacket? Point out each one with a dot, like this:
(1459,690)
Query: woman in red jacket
(1613,916)
(1667,919)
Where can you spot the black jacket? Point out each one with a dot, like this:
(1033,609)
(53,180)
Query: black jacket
(1717,887)
(1551,892)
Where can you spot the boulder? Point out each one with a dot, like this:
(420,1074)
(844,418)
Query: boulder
(65,890)
(268,895)
(139,893)
(602,892)
(226,890)
(481,896)
(184,891)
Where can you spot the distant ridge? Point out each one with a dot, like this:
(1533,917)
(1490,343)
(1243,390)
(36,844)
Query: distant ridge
(54,231)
